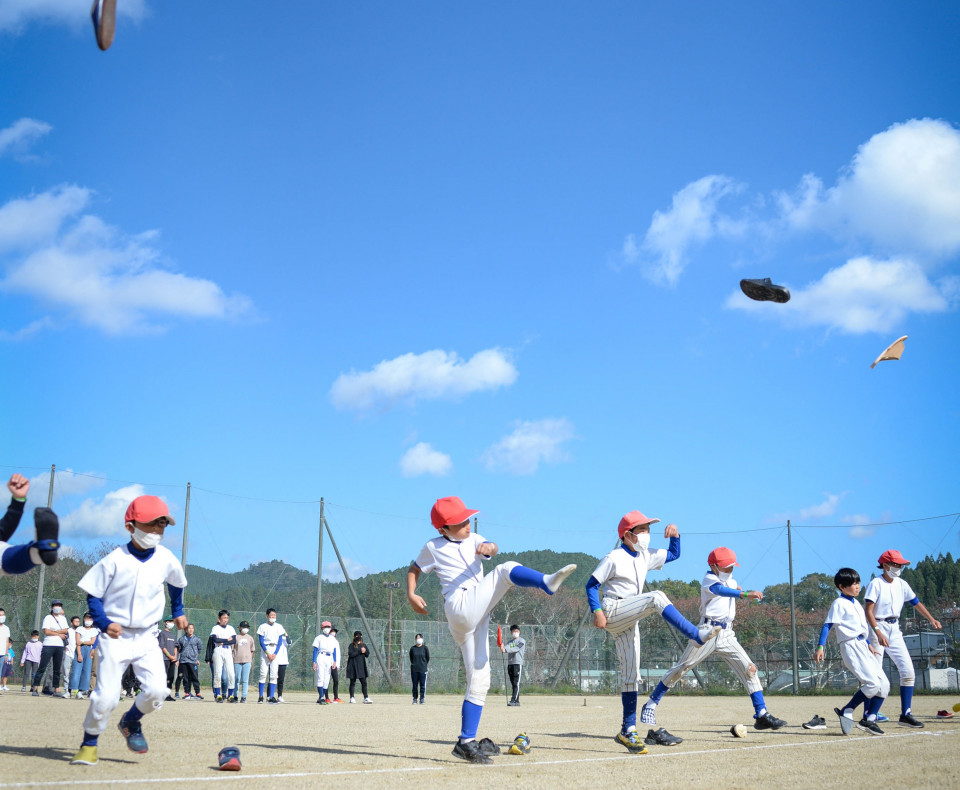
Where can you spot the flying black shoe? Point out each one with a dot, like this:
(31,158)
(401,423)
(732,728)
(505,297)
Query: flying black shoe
(48,531)
(846,722)
(816,723)
(488,747)
(763,290)
(470,751)
(869,726)
(907,720)
(104,16)
(768,722)
(661,738)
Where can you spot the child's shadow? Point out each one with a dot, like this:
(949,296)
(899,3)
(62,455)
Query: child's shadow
(355,751)
(53,753)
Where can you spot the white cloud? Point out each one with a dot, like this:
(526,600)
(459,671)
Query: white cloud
(826,508)
(422,459)
(860,531)
(863,295)
(901,192)
(692,219)
(18,137)
(16,14)
(433,374)
(521,452)
(66,482)
(101,518)
(332,572)
(99,276)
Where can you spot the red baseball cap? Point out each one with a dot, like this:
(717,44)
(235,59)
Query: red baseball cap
(633,519)
(448,511)
(722,557)
(326,624)
(147,508)
(892,556)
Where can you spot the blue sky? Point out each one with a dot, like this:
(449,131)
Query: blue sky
(391,252)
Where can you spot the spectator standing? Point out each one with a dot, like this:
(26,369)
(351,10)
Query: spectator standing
(30,659)
(69,653)
(242,659)
(55,628)
(4,647)
(188,650)
(6,668)
(515,649)
(83,660)
(419,660)
(357,667)
(167,639)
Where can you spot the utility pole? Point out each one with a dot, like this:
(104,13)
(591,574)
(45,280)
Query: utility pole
(793,615)
(392,586)
(186,522)
(319,568)
(43,567)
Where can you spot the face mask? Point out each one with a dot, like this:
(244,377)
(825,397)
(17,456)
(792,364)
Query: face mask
(724,577)
(34,639)
(894,572)
(515,634)
(326,631)
(57,610)
(271,620)
(3,618)
(643,540)
(87,623)
(244,630)
(419,641)
(168,626)
(146,540)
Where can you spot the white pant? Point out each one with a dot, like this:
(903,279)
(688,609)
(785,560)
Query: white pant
(897,650)
(69,654)
(223,657)
(134,647)
(729,649)
(324,666)
(468,618)
(270,668)
(623,615)
(862,663)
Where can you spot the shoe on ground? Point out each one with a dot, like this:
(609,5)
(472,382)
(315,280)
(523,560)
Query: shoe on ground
(768,722)
(415,702)
(488,747)
(81,695)
(243,699)
(520,745)
(470,751)
(281,699)
(133,735)
(816,723)
(421,702)
(65,695)
(763,290)
(272,701)
(941,714)
(513,704)
(554,580)
(35,693)
(340,701)
(219,698)
(353,701)
(907,720)
(869,726)
(648,714)
(259,700)
(234,700)
(86,756)
(661,738)
(197,696)
(170,699)
(367,701)
(881,717)
(631,740)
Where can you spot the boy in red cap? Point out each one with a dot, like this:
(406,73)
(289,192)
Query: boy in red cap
(883,601)
(15,560)
(621,574)
(469,597)
(719,593)
(125,596)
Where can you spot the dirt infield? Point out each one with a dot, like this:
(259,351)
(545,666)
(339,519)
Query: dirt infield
(393,743)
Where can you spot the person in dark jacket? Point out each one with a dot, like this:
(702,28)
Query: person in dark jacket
(357,667)
(419,659)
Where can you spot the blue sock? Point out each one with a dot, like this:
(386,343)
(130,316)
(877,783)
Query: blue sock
(320,692)
(855,702)
(16,559)
(273,690)
(261,688)
(629,700)
(873,707)
(906,699)
(231,693)
(672,615)
(527,577)
(469,720)
(133,715)
(759,706)
(89,740)
(216,691)
(658,692)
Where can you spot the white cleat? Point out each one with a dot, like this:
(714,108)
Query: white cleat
(554,580)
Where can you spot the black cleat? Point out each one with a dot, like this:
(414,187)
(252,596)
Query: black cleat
(869,726)
(488,747)
(768,722)
(907,720)
(661,738)
(470,751)
(104,16)
(763,290)
(816,723)
(48,532)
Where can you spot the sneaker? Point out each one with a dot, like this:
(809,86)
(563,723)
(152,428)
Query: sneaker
(197,696)
(846,722)
(340,701)
(708,632)
(415,702)
(35,693)
(513,703)
(104,16)
(234,700)
(259,700)
(133,735)
(177,695)
(129,695)
(86,756)
(367,701)
(218,698)
(869,726)
(763,290)
(554,580)
(47,527)
(65,695)
(243,699)
(170,699)
(281,699)
(421,701)
(353,701)
(631,741)
(881,717)
(81,695)
(272,701)
(488,747)
(907,720)
(944,714)
(816,723)
(768,722)
(648,714)
(470,752)
(661,738)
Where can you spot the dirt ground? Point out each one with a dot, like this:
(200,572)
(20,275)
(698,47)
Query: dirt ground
(393,743)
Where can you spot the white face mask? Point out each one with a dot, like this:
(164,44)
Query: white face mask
(271,620)
(643,540)
(894,571)
(515,635)
(146,540)
(34,639)
(244,630)
(326,631)
(87,623)
(724,577)
(168,626)
(3,618)
(419,641)
(57,610)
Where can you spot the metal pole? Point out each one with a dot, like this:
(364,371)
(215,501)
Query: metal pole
(390,635)
(186,522)
(43,567)
(356,600)
(319,568)
(793,615)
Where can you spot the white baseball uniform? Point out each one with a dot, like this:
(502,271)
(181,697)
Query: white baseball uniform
(223,657)
(469,598)
(327,657)
(133,596)
(849,625)
(888,599)
(268,637)
(717,609)
(622,576)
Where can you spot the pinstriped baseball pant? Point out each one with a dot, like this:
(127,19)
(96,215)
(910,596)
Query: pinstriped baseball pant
(897,650)
(623,615)
(728,648)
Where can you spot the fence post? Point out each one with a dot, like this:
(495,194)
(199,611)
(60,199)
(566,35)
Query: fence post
(793,616)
